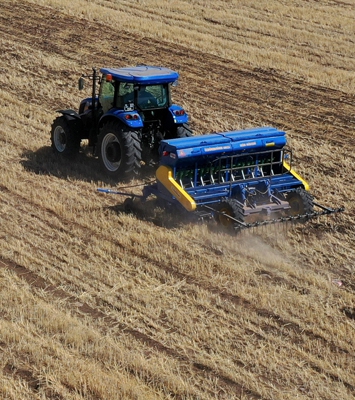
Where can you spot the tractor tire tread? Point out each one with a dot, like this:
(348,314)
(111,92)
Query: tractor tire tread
(72,136)
(183,131)
(131,149)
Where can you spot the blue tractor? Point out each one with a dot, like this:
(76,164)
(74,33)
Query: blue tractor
(125,121)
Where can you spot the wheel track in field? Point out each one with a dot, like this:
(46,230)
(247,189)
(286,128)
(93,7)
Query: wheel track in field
(37,282)
(268,327)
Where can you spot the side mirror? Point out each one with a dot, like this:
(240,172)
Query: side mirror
(81,83)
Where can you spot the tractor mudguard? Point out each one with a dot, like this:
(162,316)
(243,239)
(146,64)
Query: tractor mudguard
(128,118)
(74,120)
(179,114)
(86,105)
(69,114)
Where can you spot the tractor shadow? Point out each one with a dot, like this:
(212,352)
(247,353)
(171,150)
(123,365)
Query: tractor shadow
(86,167)
(83,166)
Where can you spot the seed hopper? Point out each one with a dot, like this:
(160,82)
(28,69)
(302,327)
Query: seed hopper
(240,178)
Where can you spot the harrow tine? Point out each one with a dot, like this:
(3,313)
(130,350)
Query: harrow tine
(293,218)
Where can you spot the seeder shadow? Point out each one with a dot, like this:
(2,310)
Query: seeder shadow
(152,211)
(169,217)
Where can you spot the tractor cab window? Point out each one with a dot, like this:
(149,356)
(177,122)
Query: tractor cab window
(125,96)
(147,96)
(107,91)
(152,96)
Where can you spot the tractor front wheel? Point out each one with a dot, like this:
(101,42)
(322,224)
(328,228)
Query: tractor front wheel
(300,201)
(120,150)
(64,137)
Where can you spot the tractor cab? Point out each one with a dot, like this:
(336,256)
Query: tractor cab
(129,97)
(140,88)
(139,104)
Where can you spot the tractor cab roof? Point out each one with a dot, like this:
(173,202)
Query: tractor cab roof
(142,74)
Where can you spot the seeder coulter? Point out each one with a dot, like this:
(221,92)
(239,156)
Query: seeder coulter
(241,178)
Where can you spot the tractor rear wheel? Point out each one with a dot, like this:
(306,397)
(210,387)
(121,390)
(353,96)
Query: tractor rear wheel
(300,201)
(183,130)
(179,131)
(64,137)
(229,208)
(120,150)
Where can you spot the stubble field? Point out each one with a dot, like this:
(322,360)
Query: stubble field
(98,304)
